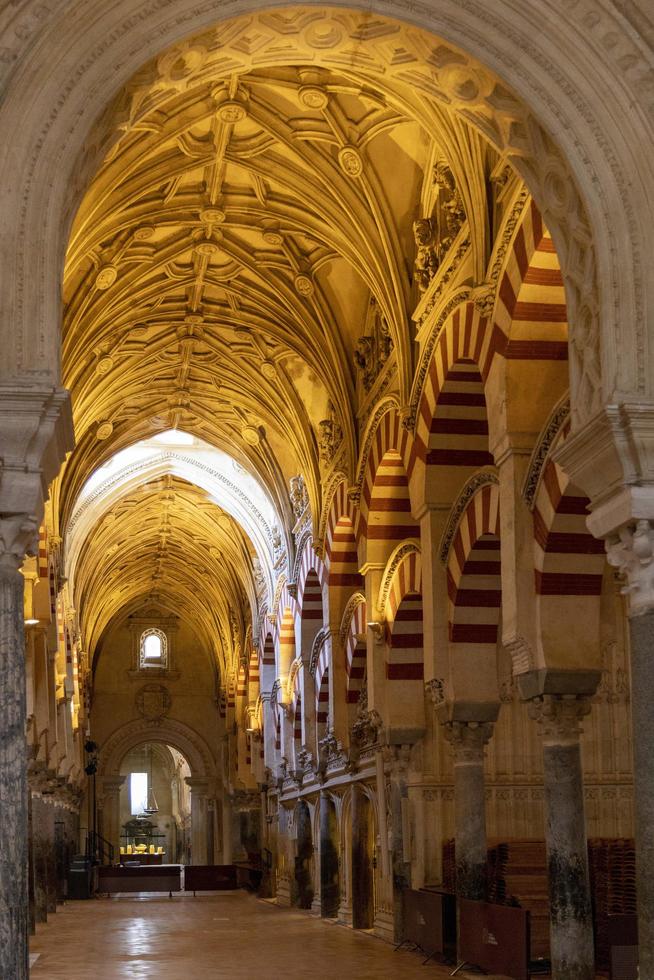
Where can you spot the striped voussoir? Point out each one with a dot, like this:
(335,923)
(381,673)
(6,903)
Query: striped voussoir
(322,684)
(253,677)
(312,613)
(568,560)
(530,313)
(404,618)
(43,553)
(473,571)
(355,653)
(310,563)
(286,642)
(529,323)
(385,510)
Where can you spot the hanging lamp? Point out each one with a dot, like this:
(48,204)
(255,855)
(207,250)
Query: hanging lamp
(151,806)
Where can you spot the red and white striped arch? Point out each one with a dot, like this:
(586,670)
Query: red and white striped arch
(322,685)
(464,340)
(474,580)
(403,611)
(355,651)
(569,561)
(253,677)
(309,562)
(385,507)
(312,593)
(341,556)
(531,320)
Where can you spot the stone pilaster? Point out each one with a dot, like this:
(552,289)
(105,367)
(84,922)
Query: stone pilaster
(199,789)
(571,922)
(632,552)
(396,764)
(468,740)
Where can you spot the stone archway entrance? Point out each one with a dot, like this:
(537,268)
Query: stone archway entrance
(201,790)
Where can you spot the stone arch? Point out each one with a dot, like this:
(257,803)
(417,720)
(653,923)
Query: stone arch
(187,741)
(452,429)
(341,556)
(474,587)
(385,506)
(569,566)
(353,634)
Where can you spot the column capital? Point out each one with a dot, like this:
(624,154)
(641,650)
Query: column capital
(468,740)
(559,717)
(631,551)
(36,432)
(112,785)
(197,785)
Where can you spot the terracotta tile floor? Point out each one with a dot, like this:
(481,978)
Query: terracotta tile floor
(231,934)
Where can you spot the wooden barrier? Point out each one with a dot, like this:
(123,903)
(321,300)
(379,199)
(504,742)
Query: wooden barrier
(166,878)
(430,921)
(494,938)
(209,877)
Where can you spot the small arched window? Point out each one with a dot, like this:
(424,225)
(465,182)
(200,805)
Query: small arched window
(154,649)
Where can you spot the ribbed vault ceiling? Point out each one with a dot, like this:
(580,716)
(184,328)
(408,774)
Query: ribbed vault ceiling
(224,262)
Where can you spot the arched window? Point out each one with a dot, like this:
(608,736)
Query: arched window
(154,649)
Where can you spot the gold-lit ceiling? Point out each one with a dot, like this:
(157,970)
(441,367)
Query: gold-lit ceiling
(220,272)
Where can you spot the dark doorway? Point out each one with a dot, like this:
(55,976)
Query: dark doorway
(363,861)
(330,891)
(304,857)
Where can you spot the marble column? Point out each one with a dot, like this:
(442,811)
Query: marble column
(396,762)
(642,708)
(199,789)
(632,552)
(14,901)
(468,740)
(571,920)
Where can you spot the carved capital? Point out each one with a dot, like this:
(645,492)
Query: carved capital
(631,551)
(559,717)
(36,432)
(468,740)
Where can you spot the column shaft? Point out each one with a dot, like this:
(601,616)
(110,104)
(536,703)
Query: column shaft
(13,780)
(571,920)
(468,740)
(642,647)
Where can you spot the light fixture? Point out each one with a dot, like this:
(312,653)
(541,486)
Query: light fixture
(32,622)
(151,805)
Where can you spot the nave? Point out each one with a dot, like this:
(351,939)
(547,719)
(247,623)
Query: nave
(327,474)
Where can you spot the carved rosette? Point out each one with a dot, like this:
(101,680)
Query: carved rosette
(559,717)
(631,551)
(468,740)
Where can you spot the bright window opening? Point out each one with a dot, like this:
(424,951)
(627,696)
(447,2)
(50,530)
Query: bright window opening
(138,792)
(154,649)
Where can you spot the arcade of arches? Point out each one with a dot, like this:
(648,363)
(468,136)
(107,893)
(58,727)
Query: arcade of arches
(326,410)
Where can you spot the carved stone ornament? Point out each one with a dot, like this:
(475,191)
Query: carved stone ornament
(632,552)
(330,435)
(559,716)
(468,740)
(374,348)
(367,725)
(153,702)
(298,496)
(435,688)
(426,261)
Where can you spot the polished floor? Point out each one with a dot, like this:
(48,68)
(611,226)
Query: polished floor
(231,934)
